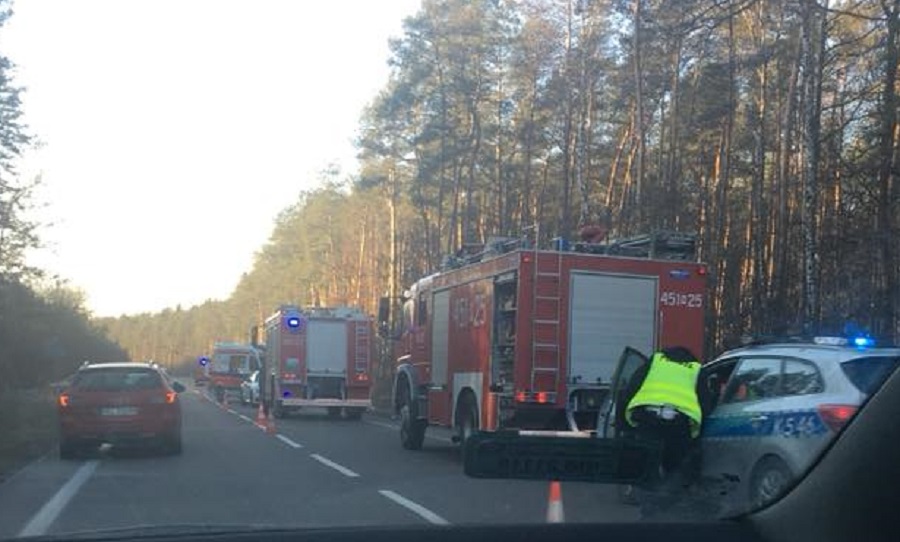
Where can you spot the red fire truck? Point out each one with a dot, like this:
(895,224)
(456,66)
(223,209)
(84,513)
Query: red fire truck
(230,365)
(521,338)
(318,357)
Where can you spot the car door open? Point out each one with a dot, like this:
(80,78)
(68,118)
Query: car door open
(630,362)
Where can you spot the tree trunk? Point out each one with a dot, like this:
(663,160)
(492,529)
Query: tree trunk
(639,126)
(887,149)
(812,34)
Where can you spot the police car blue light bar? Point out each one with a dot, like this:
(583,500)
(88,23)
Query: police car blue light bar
(859,342)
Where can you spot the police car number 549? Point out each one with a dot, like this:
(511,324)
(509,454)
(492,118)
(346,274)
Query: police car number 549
(675,299)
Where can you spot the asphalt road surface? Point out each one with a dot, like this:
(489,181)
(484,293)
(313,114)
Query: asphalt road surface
(310,472)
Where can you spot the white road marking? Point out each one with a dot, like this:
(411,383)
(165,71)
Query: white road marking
(340,468)
(288,441)
(232,412)
(423,512)
(446,440)
(52,508)
(245,418)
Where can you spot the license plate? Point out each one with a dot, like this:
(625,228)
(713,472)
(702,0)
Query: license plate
(118,411)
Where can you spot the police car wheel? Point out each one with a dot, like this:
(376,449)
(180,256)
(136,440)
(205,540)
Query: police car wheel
(771,478)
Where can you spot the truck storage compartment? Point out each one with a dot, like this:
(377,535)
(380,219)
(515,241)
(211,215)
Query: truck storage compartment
(326,348)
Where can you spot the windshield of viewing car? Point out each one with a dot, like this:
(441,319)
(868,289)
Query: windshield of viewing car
(438,262)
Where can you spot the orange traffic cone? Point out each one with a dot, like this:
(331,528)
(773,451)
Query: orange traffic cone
(555,504)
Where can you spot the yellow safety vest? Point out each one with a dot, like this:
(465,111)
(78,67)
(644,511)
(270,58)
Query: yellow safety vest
(670,383)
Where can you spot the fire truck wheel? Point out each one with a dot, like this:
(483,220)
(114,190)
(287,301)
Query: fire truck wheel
(412,431)
(466,418)
(278,410)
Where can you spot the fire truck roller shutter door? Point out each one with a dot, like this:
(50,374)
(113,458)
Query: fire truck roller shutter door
(440,336)
(607,313)
(326,347)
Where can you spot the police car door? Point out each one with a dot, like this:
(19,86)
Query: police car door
(732,432)
(629,362)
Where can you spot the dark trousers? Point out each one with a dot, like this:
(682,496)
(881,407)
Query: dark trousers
(680,463)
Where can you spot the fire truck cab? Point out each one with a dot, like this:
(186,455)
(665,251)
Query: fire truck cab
(514,337)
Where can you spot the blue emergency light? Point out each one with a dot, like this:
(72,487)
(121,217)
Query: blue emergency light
(293,321)
(863,342)
(203,360)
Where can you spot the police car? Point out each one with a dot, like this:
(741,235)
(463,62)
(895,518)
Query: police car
(777,405)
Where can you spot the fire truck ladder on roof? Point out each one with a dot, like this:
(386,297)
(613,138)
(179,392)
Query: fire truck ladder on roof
(545,324)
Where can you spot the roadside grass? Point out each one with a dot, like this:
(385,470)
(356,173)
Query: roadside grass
(28,427)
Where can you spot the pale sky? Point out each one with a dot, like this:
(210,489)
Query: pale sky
(175,130)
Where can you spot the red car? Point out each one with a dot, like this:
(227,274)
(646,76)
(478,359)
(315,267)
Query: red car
(121,404)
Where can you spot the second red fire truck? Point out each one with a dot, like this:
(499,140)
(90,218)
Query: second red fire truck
(520,338)
(317,357)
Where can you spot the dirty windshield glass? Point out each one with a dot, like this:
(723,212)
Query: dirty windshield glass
(424,262)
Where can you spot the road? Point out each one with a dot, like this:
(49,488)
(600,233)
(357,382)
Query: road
(310,472)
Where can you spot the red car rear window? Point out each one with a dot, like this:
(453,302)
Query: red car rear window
(117,379)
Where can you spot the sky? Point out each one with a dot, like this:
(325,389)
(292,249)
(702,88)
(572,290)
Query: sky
(174,131)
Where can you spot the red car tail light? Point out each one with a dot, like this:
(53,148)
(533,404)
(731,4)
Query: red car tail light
(170,397)
(64,400)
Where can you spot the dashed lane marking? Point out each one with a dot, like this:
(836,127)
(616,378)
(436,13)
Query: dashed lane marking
(340,468)
(420,510)
(288,441)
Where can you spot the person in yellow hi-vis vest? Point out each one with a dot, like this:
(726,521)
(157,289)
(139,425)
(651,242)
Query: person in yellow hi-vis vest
(661,403)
